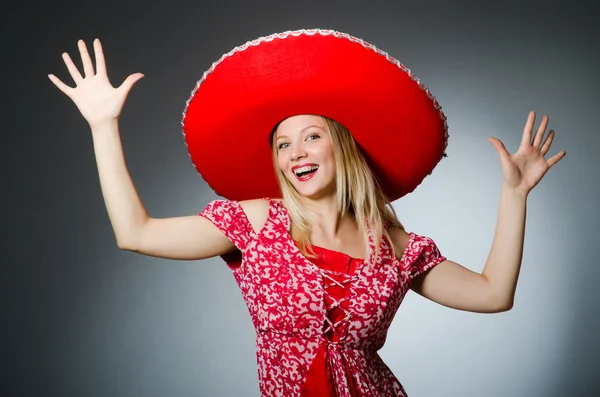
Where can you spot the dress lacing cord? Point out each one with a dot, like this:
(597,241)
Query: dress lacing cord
(340,327)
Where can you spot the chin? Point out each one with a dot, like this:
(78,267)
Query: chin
(315,189)
(316,193)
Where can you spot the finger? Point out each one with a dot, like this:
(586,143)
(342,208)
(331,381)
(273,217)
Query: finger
(61,86)
(129,82)
(100,62)
(546,146)
(539,135)
(526,140)
(499,146)
(556,158)
(72,68)
(88,68)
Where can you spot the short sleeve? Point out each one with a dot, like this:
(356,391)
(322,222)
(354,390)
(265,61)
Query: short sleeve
(426,255)
(231,220)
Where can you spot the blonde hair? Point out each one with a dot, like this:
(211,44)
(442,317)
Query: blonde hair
(358,192)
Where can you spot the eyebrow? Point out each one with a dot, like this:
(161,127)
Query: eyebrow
(301,131)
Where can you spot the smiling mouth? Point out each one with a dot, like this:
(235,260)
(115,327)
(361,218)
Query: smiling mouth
(305,173)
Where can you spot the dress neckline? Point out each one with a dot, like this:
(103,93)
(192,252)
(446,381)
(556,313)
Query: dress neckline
(286,219)
(329,250)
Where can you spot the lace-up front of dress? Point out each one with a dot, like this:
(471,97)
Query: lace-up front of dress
(319,321)
(337,272)
(336,324)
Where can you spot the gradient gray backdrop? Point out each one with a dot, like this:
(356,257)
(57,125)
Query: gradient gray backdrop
(82,318)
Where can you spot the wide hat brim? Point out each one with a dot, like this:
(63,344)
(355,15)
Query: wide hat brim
(232,111)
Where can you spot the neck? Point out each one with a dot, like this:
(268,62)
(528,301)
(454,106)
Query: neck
(329,221)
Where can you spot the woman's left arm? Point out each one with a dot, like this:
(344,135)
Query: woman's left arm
(455,286)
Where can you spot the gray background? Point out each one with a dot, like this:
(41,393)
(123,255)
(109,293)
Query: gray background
(82,318)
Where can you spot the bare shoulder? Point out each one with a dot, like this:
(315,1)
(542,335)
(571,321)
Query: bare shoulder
(257,211)
(399,239)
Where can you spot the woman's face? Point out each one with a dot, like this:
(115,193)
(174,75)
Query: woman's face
(305,155)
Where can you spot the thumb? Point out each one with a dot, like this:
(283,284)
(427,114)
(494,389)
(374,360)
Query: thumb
(499,146)
(129,82)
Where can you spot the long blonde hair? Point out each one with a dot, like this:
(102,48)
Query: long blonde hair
(358,192)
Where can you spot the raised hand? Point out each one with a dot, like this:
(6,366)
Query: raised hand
(97,100)
(524,169)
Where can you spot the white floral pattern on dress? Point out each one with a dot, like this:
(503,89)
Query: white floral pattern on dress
(284,293)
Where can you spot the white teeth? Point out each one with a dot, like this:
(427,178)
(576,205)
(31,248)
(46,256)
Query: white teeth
(305,169)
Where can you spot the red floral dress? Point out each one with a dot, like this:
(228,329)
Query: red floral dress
(319,323)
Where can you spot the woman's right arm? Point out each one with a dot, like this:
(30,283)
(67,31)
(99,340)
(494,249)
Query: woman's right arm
(187,237)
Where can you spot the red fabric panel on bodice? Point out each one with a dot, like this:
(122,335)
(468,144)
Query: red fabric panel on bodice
(319,380)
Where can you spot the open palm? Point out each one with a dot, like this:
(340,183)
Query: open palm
(97,100)
(524,169)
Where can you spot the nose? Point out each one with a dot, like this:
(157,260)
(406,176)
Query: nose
(298,152)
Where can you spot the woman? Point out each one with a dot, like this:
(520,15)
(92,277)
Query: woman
(324,269)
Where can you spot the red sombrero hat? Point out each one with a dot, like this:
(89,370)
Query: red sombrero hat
(233,109)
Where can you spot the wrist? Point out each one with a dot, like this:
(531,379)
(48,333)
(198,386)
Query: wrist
(514,192)
(104,126)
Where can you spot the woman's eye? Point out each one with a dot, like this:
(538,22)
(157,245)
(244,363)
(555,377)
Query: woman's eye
(283,145)
(316,136)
